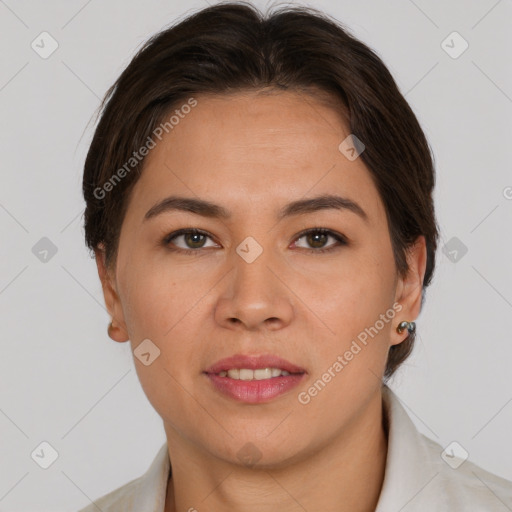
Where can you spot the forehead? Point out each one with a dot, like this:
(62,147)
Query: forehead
(262,148)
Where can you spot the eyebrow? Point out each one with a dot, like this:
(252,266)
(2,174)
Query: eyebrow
(299,207)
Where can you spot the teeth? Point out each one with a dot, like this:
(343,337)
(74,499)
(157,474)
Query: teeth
(259,374)
(234,374)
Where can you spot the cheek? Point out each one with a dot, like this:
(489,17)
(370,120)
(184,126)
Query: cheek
(148,307)
(351,361)
(154,297)
(349,305)
(161,311)
(166,307)
(350,293)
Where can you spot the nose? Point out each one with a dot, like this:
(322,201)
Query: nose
(255,297)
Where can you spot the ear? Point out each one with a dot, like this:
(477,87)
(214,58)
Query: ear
(117,331)
(409,288)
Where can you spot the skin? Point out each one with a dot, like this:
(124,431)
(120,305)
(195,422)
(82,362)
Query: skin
(252,154)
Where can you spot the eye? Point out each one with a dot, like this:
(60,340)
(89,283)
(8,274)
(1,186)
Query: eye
(317,237)
(192,238)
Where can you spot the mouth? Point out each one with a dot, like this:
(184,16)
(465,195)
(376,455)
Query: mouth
(254,363)
(257,374)
(254,379)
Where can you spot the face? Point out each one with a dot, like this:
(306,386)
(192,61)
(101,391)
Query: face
(255,282)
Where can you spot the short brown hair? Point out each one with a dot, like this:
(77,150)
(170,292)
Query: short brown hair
(231,47)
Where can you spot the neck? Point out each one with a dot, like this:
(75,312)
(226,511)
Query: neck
(346,474)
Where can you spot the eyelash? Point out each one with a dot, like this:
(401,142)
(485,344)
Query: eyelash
(194,231)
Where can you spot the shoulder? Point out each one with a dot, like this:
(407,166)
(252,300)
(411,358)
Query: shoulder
(463,485)
(422,476)
(121,498)
(145,493)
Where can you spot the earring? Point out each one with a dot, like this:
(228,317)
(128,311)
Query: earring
(410,326)
(110,329)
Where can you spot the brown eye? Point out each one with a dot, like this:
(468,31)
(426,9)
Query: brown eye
(317,238)
(194,240)
(191,239)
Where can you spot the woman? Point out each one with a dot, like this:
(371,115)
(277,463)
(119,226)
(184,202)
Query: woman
(259,203)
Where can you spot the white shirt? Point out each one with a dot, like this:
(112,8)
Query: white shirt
(416,477)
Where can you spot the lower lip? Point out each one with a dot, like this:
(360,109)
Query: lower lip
(255,391)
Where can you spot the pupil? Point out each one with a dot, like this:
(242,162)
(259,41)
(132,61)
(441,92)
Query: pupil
(315,239)
(192,235)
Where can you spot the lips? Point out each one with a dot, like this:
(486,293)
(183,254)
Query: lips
(255,391)
(253,363)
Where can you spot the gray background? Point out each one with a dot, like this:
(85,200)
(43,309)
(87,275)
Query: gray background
(65,382)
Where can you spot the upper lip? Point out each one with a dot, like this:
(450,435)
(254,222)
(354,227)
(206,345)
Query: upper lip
(254,362)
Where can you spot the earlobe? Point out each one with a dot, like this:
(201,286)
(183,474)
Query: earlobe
(409,289)
(116,332)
